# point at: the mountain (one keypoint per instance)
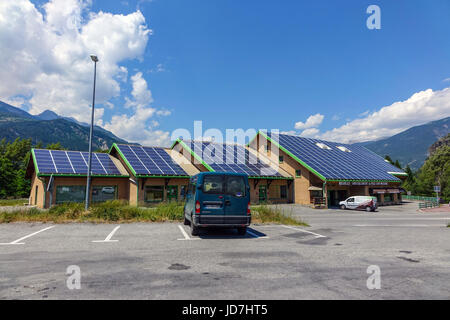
(48, 127)
(410, 147)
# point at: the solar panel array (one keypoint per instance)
(232, 158)
(73, 162)
(333, 163)
(150, 161)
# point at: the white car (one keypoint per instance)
(359, 203)
(108, 190)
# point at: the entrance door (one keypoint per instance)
(172, 193)
(262, 193)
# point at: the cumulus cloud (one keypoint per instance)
(139, 125)
(310, 133)
(45, 56)
(420, 108)
(313, 121)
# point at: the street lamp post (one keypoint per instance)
(88, 183)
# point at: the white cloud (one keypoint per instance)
(420, 108)
(45, 56)
(310, 133)
(312, 122)
(138, 127)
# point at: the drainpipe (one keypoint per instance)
(45, 190)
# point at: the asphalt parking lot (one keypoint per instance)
(327, 260)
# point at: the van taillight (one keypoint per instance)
(248, 208)
(197, 206)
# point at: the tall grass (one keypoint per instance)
(13, 202)
(269, 214)
(110, 211)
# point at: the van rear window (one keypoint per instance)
(213, 184)
(235, 186)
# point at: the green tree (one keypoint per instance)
(386, 157)
(55, 146)
(435, 171)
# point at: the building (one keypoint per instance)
(155, 175)
(329, 172)
(60, 176)
(268, 182)
(281, 169)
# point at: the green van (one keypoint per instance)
(218, 199)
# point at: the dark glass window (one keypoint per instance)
(154, 193)
(283, 192)
(235, 186)
(213, 184)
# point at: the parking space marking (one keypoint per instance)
(303, 230)
(26, 237)
(108, 238)
(400, 225)
(185, 235)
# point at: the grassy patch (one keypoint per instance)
(12, 202)
(270, 214)
(110, 211)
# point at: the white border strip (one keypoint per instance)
(108, 238)
(302, 230)
(26, 237)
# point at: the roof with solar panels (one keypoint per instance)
(332, 161)
(152, 161)
(229, 157)
(74, 163)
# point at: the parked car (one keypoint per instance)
(218, 199)
(359, 203)
(108, 190)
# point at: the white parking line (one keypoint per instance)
(108, 238)
(302, 230)
(23, 238)
(400, 225)
(185, 235)
(254, 235)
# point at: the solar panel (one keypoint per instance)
(232, 158)
(150, 161)
(357, 164)
(74, 162)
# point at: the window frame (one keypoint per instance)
(153, 186)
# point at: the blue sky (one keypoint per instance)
(266, 64)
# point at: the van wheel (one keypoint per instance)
(186, 221)
(242, 231)
(194, 229)
(343, 207)
(368, 209)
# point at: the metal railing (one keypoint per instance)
(428, 204)
(420, 198)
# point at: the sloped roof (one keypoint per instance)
(335, 161)
(227, 157)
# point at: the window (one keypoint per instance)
(70, 194)
(298, 173)
(351, 200)
(281, 159)
(283, 192)
(104, 193)
(235, 186)
(323, 146)
(213, 184)
(344, 149)
(154, 193)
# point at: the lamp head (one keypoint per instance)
(94, 58)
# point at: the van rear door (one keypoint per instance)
(236, 198)
(212, 198)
